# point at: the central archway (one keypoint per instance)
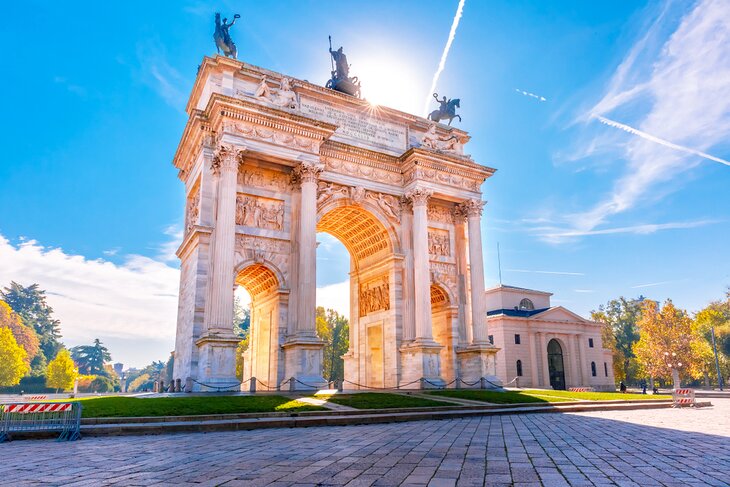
(371, 360)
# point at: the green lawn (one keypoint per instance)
(507, 397)
(104, 407)
(595, 396)
(379, 400)
(539, 396)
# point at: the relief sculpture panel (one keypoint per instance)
(261, 178)
(374, 296)
(254, 211)
(192, 212)
(439, 242)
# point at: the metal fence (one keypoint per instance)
(64, 417)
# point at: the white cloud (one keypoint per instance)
(100, 299)
(155, 71)
(557, 235)
(335, 296)
(559, 273)
(672, 93)
(652, 284)
(584, 291)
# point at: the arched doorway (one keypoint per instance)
(262, 356)
(555, 365)
(442, 319)
(372, 288)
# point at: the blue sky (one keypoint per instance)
(582, 204)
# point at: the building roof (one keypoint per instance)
(522, 313)
(515, 288)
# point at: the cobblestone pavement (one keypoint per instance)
(654, 447)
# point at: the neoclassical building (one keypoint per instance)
(267, 163)
(545, 346)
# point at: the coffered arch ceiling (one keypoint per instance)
(359, 231)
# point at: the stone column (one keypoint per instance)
(462, 270)
(217, 344)
(303, 349)
(409, 324)
(420, 358)
(534, 359)
(421, 276)
(473, 211)
(545, 361)
(583, 357)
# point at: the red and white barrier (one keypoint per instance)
(35, 398)
(37, 408)
(580, 389)
(683, 397)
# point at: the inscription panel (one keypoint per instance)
(359, 126)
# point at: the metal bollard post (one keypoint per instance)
(252, 385)
(292, 384)
(483, 382)
(340, 385)
(423, 382)
(458, 383)
(178, 385)
(189, 384)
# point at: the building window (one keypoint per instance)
(491, 339)
(526, 305)
(517, 339)
(605, 368)
(593, 369)
(590, 342)
(519, 368)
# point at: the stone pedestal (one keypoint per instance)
(421, 360)
(217, 363)
(351, 369)
(477, 362)
(303, 362)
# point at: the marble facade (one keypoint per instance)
(268, 162)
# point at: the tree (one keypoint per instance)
(715, 316)
(61, 372)
(665, 338)
(334, 330)
(24, 335)
(620, 333)
(242, 347)
(13, 357)
(141, 382)
(30, 303)
(241, 318)
(91, 358)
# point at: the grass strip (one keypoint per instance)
(495, 397)
(106, 407)
(595, 396)
(380, 400)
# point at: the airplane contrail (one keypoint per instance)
(657, 140)
(444, 55)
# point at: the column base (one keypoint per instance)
(303, 364)
(216, 363)
(421, 365)
(478, 367)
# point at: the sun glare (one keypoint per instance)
(389, 82)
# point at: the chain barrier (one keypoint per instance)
(219, 388)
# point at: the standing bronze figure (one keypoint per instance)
(222, 37)
(341, 80)
(447, 109)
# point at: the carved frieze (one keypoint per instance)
(386, 202)
(441, 214)
(362, 171)
(327, 191)
(278, 137)
(192, 211)
(374, 296)
(438, 176)
(265, 179)
(254, 211)
(389, 204)
(269, 245)
(439, 242)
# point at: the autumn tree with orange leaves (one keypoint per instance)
(666, 337)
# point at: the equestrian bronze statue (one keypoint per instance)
(447, 109)
(222, 37)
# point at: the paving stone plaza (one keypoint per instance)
(650, 447)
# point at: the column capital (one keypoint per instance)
(471, 207)
(419, 196)
(307, 172)
(226, 158)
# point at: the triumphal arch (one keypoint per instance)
(268, 162)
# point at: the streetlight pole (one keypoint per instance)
(717, 361)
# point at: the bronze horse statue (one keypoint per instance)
(447, 109)
(222, 37)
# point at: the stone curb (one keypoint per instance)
(357, 412)
(327, 419)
